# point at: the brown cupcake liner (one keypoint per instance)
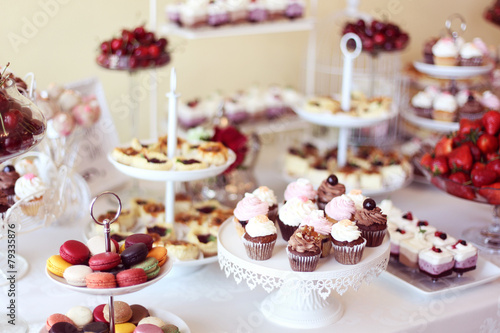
(302, 263)
(258, 251)
(326, 246)
(349, 255)
(286, 230)
(373, 238)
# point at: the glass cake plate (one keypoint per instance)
(485, 272)
(452, 72)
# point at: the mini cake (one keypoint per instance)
(422, 227)
(238, 11)
(440, 239)
(470, 55)
(214, 153)
(294, 9)
(248, 207)
(191, 114)
(151, 213)
(396, 236)
(300, 188)
(490, 101)
(31, 190)
(323, 227)
(445, 107)
(193, 14)
(317, 172)
(265, 194)
(409, 249)
(217, 13)
(260, 238)
(276, 9)
(182, 250)
(465, 255)
(371, 222)
(235, 109)
(273, 99)
(348, 244)
(329, 189)
(340, 208)
(124, 155)
(183, 163)
(292, 213)
(422, 104)
(371, 179)
(257, 11)
(304, 249)
(357, 197)
(207, 243)
(296, 163)
(445, 52)
(8, 178)
(472, 109)
(436, 262)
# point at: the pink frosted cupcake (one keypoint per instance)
(304, 249)
(260, 238)
(265, 194)
(292, 213)
(30, 189)
(300, 188)
(348, 245)
(323, 227)
(340, 208)
(248, 207)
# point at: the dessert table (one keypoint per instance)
(211, 303)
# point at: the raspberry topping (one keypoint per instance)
(408, 216)
(422, 224)
(401, 231)
(436, 249)
(441, 235)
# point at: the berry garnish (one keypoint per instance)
(422, 224)
(436, 249)
(401, 231)
(441, 235)
(464, 243)
(408, 216)
(369, 204)
(332, 180)
(9, 168)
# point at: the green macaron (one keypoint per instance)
(150, 267)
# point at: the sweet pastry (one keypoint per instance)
(440, 239)
(436, 262)
(134, 254)
(97, 244)
(151, 160)
(300, 188)
(490, 101)
(63, 327)
(131, 277)
(80, 315)
(124, 222)
(329, 189)
(294, 9)
(217, 13)
(26, 165)
(57, 265)
(427, 50)
(30, 189)
(317, 172)
(207, 243)
(267, 195)
(396, 236)
(260, 237)
(8, 178)
(371, 222)
(100, 280)
(151, 213)
(465, 255)
(257, 11)
(276, 9)
(234, 108)
(322, 104)
(164, 230)
(124, 155)
(409, 249)
(357, 197)
(122, 312)
(104, 261)
(214, 153)
(422, 104)
(348, 244)
(248, 207)
(57, 318)
(96, 327)
(445, 52)
(182, 250)
(238, 11)
(292, 214)
(323, 227)
(296, 163)
(148, 328)
(472, 109)
(125, 328)
(74, 252)
(159, 253)
(445, 107)
(470, 55)
(139, 238)
(340, 208)
(183, 163)
(139, 312)
(75, 275)
(304, 249)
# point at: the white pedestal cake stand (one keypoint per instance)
(298, 299)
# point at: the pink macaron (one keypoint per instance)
(100, 280)
(147, 328)
(104, 261)
(131, 277)
(57, 318)
(74, 252)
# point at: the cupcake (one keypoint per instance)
(323, 227)
(357, 197)
(260, 238)
(8, 178)
(470, 55)
(340, 208)
(445, 107)
(490, 101)
(472, 109)
(265, 194)
(304, 249)
(30, 189)
(348, 244)
(427, 51)
(292, 213)
(445, 52)
(300, 188)
(371, 222)
(248, 207)
(329, 189)
(422, 104)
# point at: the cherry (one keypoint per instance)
(139, 32)
(37, 126)
(163, 59)
(128, 36)
(153, 51)
(4, 102)
(161, 43)
(106, 47)
(436, 249)
(116, 44)
(379, 39)
(193, 103)
(332, 180)
(141, 52)
(11, 118)
(441, 235)
(408, 216)
(147, 39)
(464, 243)
(133, 62)
(401, 231)
(13, 143)
(369, 204)
(422, 224)
(9, 168)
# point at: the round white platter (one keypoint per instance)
(451, 72)
(431, 124)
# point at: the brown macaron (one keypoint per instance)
(122, 311)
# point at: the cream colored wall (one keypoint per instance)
(58, 41)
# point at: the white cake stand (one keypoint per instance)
(299, 299)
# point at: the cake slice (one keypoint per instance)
(436, 262)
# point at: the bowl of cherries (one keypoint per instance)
(133, 50)
(377, 36)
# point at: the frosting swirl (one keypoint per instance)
(8, 179)
(357, 197)
(369, 217)
(445, 102)
(340, 208)
(265, 194)
(305, 239)
(249, 207)
(296, 210)
(301, 187)
(421, 100)
(28, 185)
(259, 226)
(318, 220)
(445, 47)
(345, 231)
(327, 191)
(490, 101)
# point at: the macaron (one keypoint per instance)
(148, 265)
(122, 312)
(104, 261)
(57, 318)
(138, 313)
(74, 252)
(134, 254)
(100, 280)
(97, 244)
(96, 327)
(80, 315)
(98, 314)
(125, 328)
(170, 328)
(131, 277)
(160, 253)
(148, 328)
(139, 238)
(57, 265)
(63, 327)
(75, 275)
(152, 320)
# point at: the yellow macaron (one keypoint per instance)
(160, 253)
(57, 265)
(125, 328)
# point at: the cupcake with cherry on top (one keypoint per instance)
(371, 222)
(323, 227)
(329, 189)
(248, 207)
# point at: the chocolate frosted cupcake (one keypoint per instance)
(265, 194)
(8, 178)
(472, 109)
(329, 189)
(248, 207)
(348, 245)
(323, 227)
(292, 213)
(371, 222)
(304, 249)
(260, 238)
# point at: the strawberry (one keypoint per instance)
(456, 185)
(426, 161)
(467, 126)
(443, 147)
(439, 166)
(476, 153)
(491, 193)
(478, 166)
(483, 177)
(491, 122)
(460, 158)
(492, 156)
(495, 166)
(487, 143)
